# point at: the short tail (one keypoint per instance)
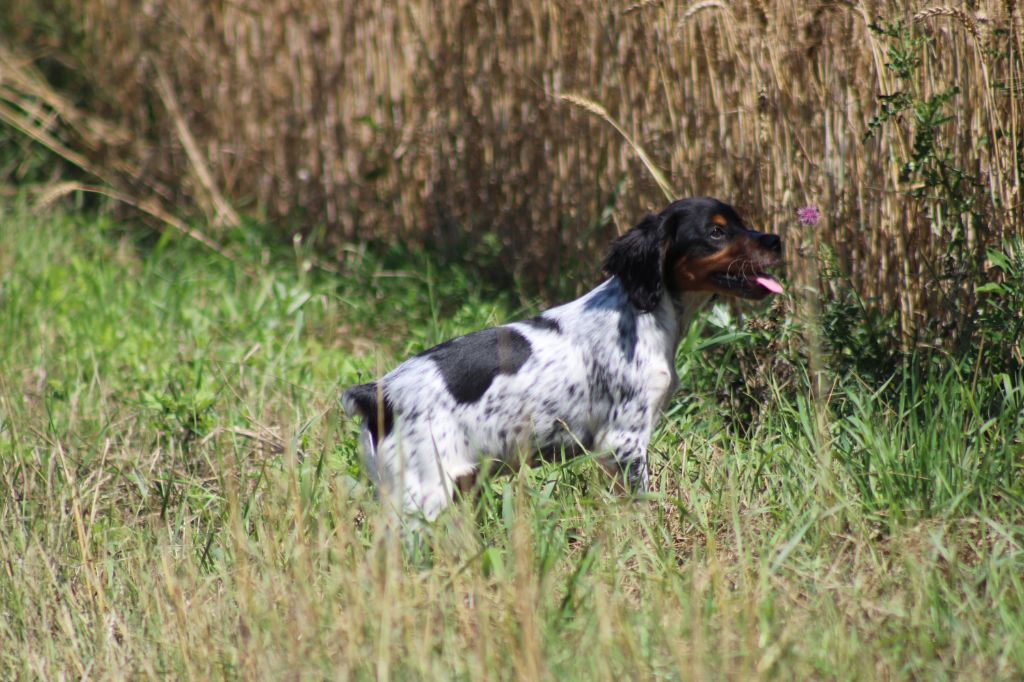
(369, 402)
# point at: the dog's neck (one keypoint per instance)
(665, 326)
(686, 307)
(677, 312)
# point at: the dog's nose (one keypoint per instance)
(771, 242)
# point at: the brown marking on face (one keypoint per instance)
(742, 256)
(719, 220)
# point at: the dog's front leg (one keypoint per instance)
(627, 458)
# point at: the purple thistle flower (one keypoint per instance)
(808, 215)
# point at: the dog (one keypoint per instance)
(590, 375)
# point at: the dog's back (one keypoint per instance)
(594, 372)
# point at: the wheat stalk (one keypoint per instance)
(640, 6)
(595, 108)
(703, 5)
(700, 6)
(62, 189)
(223, 213)
(965, 19)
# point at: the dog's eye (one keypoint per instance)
(716, 232)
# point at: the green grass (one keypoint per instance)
(181, 497)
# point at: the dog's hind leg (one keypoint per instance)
(420, 468)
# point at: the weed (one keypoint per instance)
(1001, 310)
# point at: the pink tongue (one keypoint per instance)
(769, 283)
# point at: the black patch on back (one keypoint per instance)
(470, 363)
(545, 323)
(368, 399)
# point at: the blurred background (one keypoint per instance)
(509, 134)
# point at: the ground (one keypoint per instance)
(182, 497)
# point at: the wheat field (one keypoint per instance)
(462, 124)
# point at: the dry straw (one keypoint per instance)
(595, 108)
(440, 122)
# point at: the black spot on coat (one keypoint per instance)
(545, 323)
(470, 363)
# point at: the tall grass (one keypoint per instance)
(180, 496)
(448, 122)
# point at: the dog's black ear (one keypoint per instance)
(635, 258)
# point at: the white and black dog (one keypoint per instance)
(594, 373)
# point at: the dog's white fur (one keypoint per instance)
(593, 373)
(593, 382)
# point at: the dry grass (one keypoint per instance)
(180, 498)
(445, 121)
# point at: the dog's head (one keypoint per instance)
(694, 245)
